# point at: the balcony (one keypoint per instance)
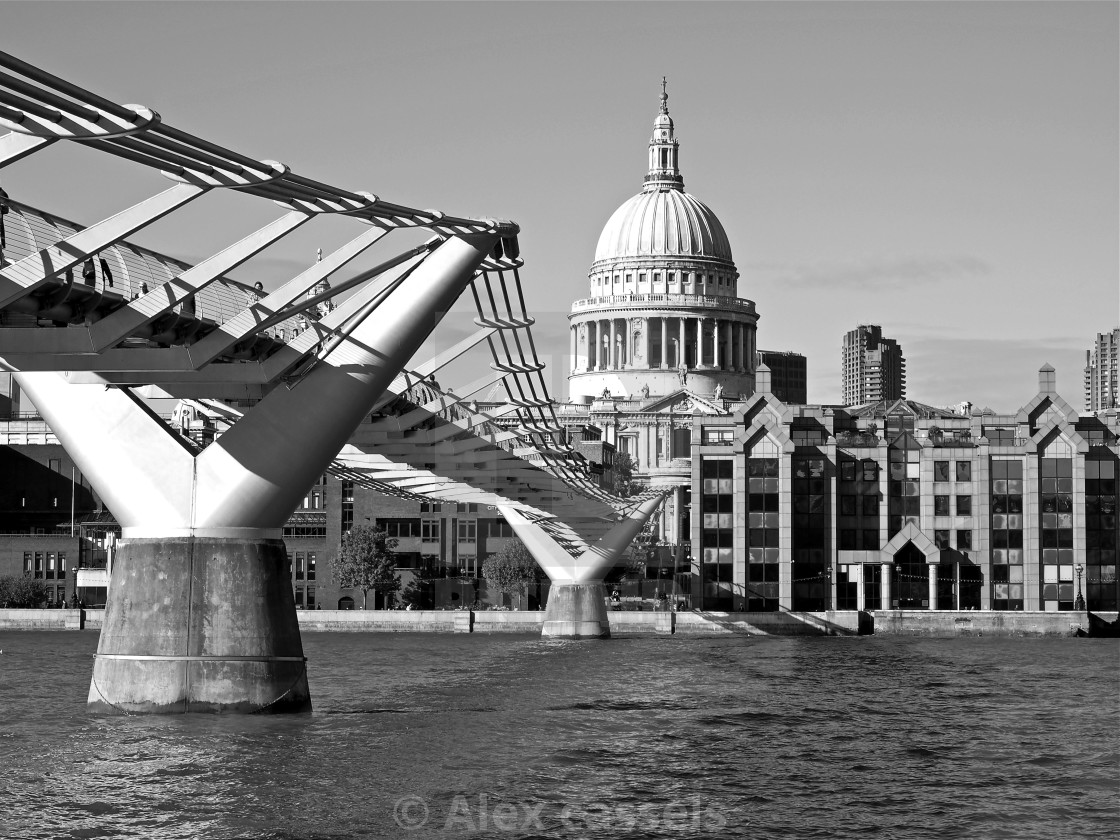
(857, 439)
(664, 301)
(945, 439)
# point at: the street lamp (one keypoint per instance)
(1079, 603)
(462, 583)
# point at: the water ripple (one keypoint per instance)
(758, 738)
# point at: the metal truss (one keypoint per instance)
(192, 332)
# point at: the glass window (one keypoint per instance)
(964, 471)
(964, 540)
(870, 470)
(467, 530)
(940, 505)
(847, 470)
(940, 470)
(964, 506)
(310, 573)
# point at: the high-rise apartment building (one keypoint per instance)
(1102, 365)
(874, 368)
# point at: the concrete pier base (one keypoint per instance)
(577, 611)
(200, 625)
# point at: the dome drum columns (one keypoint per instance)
(696, 343)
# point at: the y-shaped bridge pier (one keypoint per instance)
(200, 615)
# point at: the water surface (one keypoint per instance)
(513, 736)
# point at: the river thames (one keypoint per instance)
(514, 736)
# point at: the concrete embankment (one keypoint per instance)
(641, 623)
(51, 619)
(947, 623)
(623, 623)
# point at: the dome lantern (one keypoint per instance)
(664, 170)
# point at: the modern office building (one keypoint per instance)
(873, 367)
(897, 504)
(1102, 372)
(788, 375)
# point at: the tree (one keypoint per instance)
(20, 591)
(623, 474)
(511, 570)
(366, 561)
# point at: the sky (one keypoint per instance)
(946, 170)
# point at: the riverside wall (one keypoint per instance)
(979, 623)
(931, 623)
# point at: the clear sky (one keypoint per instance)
(947, 170)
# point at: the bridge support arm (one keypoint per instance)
(577, 606)
(261, 468)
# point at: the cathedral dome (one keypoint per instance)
(665, 222)
(663, 312)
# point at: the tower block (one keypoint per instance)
(577, 606)
(200, 614)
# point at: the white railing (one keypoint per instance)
(645, 300)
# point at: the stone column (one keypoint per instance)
(612, 360)
(647, 347)
(715, 343)
(743, 365)
(729, 345)
(575, 348)
(885, 585)
(700, 342)
(682, 355)
(592, 345)
(664, 342)
(629, 327)
(678, 501)
(933, 586)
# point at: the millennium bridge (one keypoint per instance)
(200, 615)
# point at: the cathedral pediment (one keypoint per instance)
(683, 402)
